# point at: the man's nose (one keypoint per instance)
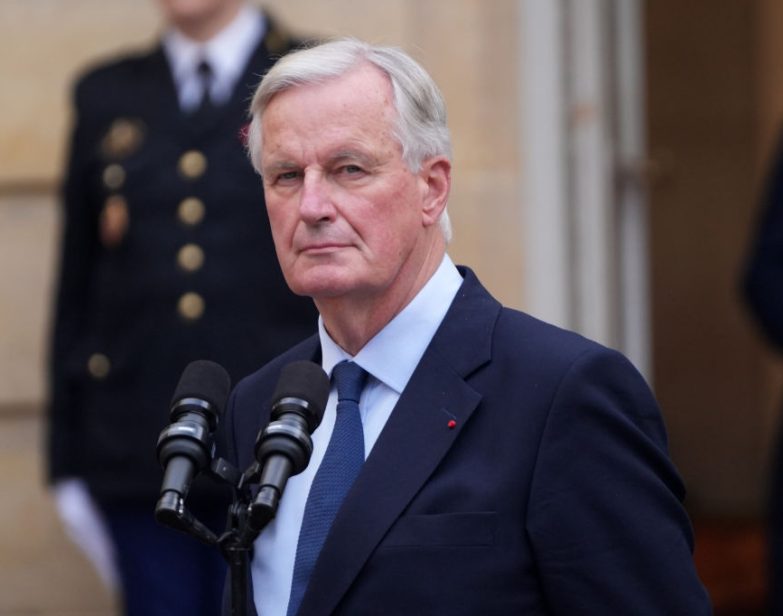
(315, 204)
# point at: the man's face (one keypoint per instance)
(348, 218)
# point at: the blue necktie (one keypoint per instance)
(341, 464)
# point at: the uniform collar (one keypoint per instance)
(227, 53)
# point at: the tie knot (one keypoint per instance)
(349, 378)
(204, 70)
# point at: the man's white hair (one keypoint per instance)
(420, 126)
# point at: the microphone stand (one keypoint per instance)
(235, 544)
(253, 508)
(245, 521)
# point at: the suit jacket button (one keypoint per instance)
(113, 176)
(191, 211)
(99, 366)
(191, 306)
(192, 164)
(190, 257)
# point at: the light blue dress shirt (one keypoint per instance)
(390, 359)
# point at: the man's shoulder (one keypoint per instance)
(513, 330)
(552, 353)
(541, 335)
(516, 338)
(108, 71)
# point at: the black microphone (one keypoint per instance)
(284, 447)
(186, 446)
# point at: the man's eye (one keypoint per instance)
(351, 169)
(287, 176)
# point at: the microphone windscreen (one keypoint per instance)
(204, 380)
(305, 380)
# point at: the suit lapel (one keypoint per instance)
(410, 447)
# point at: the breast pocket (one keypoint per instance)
(443, 530)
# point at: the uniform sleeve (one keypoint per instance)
(78, 220)
(763, 279)
(606, 521)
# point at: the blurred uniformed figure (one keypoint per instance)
(763, 291)
(167, 257)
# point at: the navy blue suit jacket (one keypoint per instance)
(553, 494)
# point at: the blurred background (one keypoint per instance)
(609, 163)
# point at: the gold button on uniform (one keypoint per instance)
(192, 164)
(99, 366)
(113, 176)
(191, 306)
(125, 136)
(191, 211)
(190, 257)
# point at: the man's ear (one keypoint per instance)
(435, 175)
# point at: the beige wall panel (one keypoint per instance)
(472, 53)
(471, 50)
(42, 44)
(487, 237)
(379, 22)
(27, 244)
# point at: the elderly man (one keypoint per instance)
(505, 466)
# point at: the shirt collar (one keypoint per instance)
(406, 337)
(227, 52)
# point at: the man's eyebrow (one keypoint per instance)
(349, 154)
(357, 155)
(280, 165)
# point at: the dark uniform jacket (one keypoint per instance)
(167, 257)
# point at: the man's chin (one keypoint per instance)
(320, 285)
